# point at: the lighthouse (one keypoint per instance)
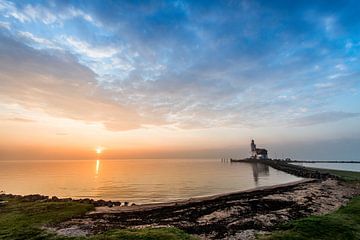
(253, 149)
(258, 153)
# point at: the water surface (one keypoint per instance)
(139, 181)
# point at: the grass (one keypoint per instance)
(343, 224)
(346, 176)
(21, 220)
(145, 234)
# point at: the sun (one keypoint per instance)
(99, 150)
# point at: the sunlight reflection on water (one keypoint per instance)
(139, 181)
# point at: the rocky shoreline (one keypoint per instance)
(238, 215)
(42, 198)
(233, 216)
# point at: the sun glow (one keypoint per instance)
(99, 150)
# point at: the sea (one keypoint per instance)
(137, 181)
(354, 167)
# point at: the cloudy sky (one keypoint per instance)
(179, 78)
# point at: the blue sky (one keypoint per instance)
(257, 68)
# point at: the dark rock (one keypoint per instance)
(33, 198)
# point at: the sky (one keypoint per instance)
(179, 79)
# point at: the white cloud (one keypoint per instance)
(85, 48)
(324, 85)
(9, 10)
(74, 13)
(340, 67)
(37, 40)
(32, 12)
(5, 25)
(37, 13)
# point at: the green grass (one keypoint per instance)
(347, 176)
(344, 224)
(24, 220)
(145, 234)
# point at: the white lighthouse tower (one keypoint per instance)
(253, 149)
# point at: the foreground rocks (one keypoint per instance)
(42, 198)
(232, 216)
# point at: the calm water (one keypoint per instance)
(139, 181)
(355, 167)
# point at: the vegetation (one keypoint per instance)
(145, 234)
(24, 220)
(342, 224)
(346, 176)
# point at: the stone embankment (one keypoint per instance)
(293, 169)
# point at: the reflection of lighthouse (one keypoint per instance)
(259, 170)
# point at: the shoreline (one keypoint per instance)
(200, 199)
(232, 215)
(221, 217)
(102, 205)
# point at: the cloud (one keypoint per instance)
(39, 13)
(57, 84)
(324, 85)
(321, 118)
(19, 119)
(9, 10)
(61, 134)
(188, 65)
(86, 49)
(40, 42)
(5, 25)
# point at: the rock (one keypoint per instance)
(54, 198)
(34, 197)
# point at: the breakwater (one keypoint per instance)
(296, 170)
(317, 161)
